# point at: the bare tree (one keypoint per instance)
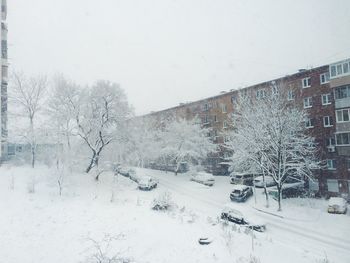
(29, 96)
(269, 134)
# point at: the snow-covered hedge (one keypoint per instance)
(163, 202)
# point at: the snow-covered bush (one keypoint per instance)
(163, 202)
(101, 251)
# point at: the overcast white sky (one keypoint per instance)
(164, 52)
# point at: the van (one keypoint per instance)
(241, 178)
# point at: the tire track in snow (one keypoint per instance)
(329, 243)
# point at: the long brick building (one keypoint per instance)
(324, 92)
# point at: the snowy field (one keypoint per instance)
(38, 225)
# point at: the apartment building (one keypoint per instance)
(324, 92)
(4, 82)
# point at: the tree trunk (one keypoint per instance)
(93, 162)
(279, 188)
(265, 191)
(33, 156)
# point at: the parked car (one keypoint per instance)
(259, 181)
(147, 183)
(231, 214)
(123, 170)
(203, 178)
(133, 175)
(337, 205)
(241, 193)
(241, 178)
(291, 188)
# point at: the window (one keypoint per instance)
(343, 138)
(332, 185)
(307, 102)
(291, 95)
(233, 99)
(327, 121)
(324, 78)
(215, 118)
(326, 99)
(333, 71)
(342, 115)
(225, 124)
(342, 92)
(205, 119)
(306, 82)
(331, 164)
(224, 108)
(340, 69)
(348, 164)
(309, 123)
(260, 94)
(314, 186)
(330, 141)
(206, 107)
(274, 90)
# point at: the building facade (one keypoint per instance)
(4, 83)
(324, 93)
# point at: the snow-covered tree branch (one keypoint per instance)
(186, 141)
(270, 137)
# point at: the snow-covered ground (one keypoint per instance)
(45, 227)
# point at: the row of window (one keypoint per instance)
(207, 119)
(340, 69)
(327, 122)
(342, 92)
(332, 185)
(210, 105)
(340, 139)
(332, 164)
(341, 117)
(306, 82)
(326, 99)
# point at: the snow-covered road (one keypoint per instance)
(306, 229)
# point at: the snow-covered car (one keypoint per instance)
(123, 170)
(147, 183)
(241, 178)
(259, 181)
(337, 205)
(240, 193)
(203, 178)
(291, 188)
(231, 214)
(133, 175)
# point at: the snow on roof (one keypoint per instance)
(240, 187)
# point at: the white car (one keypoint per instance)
(147, 183)
(249, 220)
(203, 178)
(133, 175)
(259, 181)
(337, 205)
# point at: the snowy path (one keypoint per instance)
(305, 237)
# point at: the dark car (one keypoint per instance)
(292, 187)
(241, 193)
(241, 178)
(233, 215)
